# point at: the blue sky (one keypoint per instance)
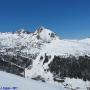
(68, 18)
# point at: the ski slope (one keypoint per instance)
(9, 80)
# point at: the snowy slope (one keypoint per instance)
(87, 41)
(9, 80)
(65, 47)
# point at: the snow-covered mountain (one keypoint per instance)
(43, 41)
(43, 55)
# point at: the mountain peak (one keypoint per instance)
(41, 28)
(45, 34)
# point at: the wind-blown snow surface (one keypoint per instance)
(9, 80)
